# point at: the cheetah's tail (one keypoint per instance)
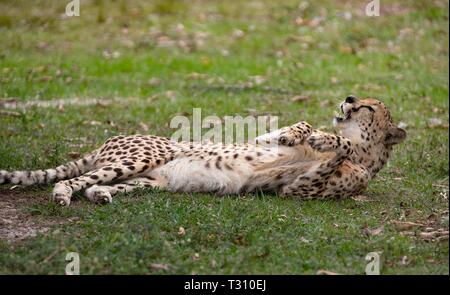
(66, 171)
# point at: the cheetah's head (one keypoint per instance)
(367, 120)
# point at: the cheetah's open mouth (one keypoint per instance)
(343, 115)
(347, 114)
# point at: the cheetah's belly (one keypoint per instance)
(192, 175)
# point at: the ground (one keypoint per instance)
(122, 67)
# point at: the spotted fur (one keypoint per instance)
(307, 163)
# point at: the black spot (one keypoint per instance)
(228, 166)
(118, 172)
(144, 168)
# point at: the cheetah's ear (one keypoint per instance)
(395, 135)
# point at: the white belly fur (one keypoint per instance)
(185, 176)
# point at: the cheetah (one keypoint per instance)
(306, 163)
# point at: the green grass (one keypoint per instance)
(400, 57)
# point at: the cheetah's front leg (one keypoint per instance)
(288, 136)
(295, 134)
(314, 182)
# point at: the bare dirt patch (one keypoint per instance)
(15, 223)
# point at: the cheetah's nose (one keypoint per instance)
(350, 99)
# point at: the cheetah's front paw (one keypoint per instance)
(322, 142)
(295, 134)
(289, 138)
(99, 195)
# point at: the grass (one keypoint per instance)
(155, 60)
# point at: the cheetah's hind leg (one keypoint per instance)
(102, 194)
(63, 190)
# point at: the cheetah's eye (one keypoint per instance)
(363, 106)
